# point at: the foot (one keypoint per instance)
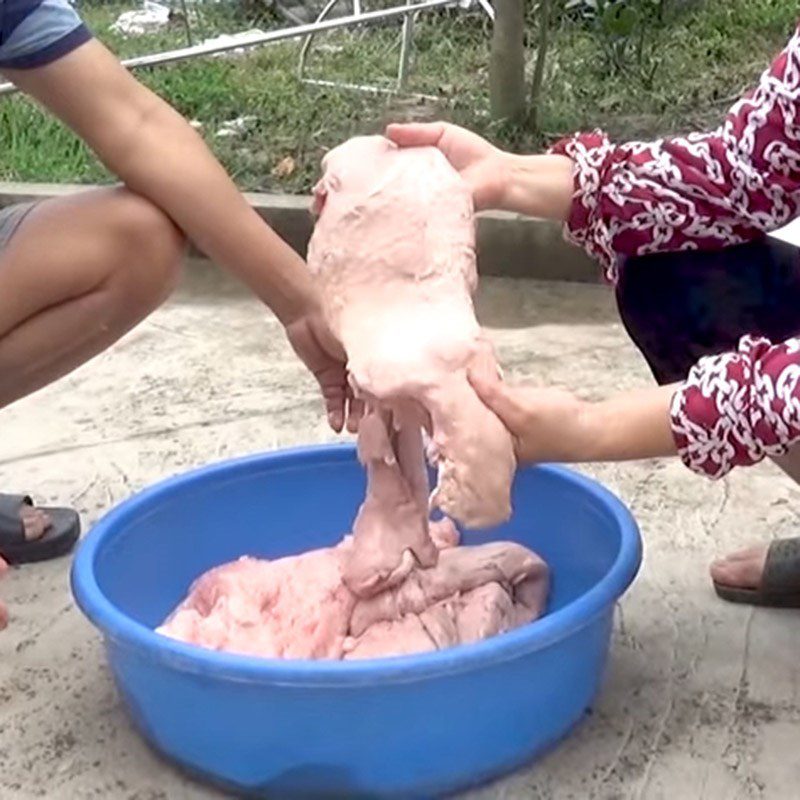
(35, 524)
(34, 521)
(742, 569)
(30, 533)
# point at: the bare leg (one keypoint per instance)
(77, 275)
(744, 568)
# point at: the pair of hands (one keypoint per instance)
(536, 418)
(545, 424)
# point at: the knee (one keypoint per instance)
(149, 250)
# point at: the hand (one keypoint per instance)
(479, 163)
(312, 340)
(553, 425)
(534, 185)
(546, 424)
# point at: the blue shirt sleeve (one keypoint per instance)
(37, 32)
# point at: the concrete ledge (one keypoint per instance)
(508, 245)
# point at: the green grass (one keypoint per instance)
(704, 55)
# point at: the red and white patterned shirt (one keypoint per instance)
(707, 191)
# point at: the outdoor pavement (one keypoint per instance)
(701, 699)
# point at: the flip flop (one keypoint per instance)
(780, 582)
(58, 539)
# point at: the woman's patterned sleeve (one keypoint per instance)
(702, 191)
(737, 408)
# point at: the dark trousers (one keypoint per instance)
(678, 307)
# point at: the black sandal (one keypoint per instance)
(59, 538)
(780, 583)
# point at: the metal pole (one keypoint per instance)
(306, 46)
(184, 53)
(488, 8)
(360, 87)
(186, 24)
(406, 44)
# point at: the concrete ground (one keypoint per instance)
(701, 699)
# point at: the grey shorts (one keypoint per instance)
(11, 218)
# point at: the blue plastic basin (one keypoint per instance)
(411, 727)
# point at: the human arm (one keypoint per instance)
(157, 154)
(553, 425)
(535, 185)
(705, 190)
(733, 410)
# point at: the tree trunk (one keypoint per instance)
(507, 62)
(538, 70)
